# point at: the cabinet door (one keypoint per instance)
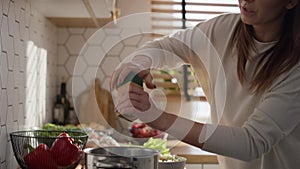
(202, 166)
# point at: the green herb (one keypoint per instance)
(158, 144)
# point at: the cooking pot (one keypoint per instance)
(121, 158)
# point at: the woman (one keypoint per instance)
(259, 50)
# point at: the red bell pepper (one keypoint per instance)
(64, 151)
(39, 158)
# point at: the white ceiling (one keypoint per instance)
(72, 8)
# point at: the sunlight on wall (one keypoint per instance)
(36, 72)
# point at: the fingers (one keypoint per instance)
(121, 73)
(137, 102)
(148, 81)
(134, 96)
(148, 78)
(124, 70)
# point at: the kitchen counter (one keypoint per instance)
(193, 154)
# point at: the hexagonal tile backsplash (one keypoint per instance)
(21, 23)
(102, 51)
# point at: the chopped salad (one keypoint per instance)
(161, 145)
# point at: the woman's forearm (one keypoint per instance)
(181, 128)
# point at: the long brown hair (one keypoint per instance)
(276, 60)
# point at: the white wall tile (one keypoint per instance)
(127, 33)
(11, 18)
(34, 36)
(21, 114)
(22, 57)
(80, 66)
(1, 12)
(10, 53)
(63, 35)
(117, 49)
(4, 70)
(4, 33)
(22, 87)
(27, 14)
(62, 72)
(18, 6)
(4, 143)
(109, 42)
(33, 12)
(17, 39)
(80, 86)
(11, 161)
(127, 51)
(93, 55)
(89, 32)
(22, 24)
(16, 103)
(3, 107)
(75, 48)
(9, 120)
(132, 41)
(23, 4)
(97, 38)
(112, 31)
(5, 6)
(10, 88)
(16, 69)
(26, 34)
(70, 64)
(91, 74)
(109, 65)
(62, 55)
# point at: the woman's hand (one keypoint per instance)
(133, 100)
(140, 66)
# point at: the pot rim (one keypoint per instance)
(89, 151)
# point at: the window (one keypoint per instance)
(180, 14)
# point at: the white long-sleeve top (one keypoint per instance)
(249, 131)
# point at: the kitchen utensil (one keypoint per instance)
(21, 139)
(121, 158)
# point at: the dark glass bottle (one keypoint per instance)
(64, 100)
(58, 111)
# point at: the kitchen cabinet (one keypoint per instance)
(202, 166)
